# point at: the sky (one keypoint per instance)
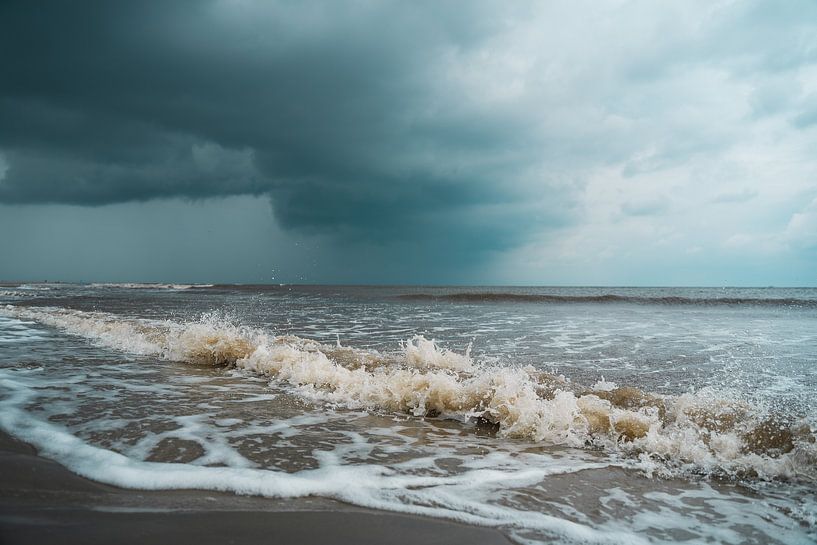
(428, 142)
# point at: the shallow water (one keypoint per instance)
(588, 414)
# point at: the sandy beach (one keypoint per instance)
(42, 502)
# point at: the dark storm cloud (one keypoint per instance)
(335, 111)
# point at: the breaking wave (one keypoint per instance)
(495, 297)
(17, 293)
(707, 432)
(149, 286)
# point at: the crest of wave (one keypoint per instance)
(425, 354)
(503, 395)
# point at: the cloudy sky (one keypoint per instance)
(619, 142)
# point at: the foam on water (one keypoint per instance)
(17, 331)
(425, 354)
(34, 287)
(18, 293)
(407, 487)
(706, 432)
(148, 286)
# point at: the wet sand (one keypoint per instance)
(42, 502)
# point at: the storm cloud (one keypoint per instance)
(341, 113)
(459, 130)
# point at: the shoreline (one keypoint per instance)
(43, 502)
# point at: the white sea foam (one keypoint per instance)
(454, 497)
(704, 432)
(147, 286)
(605, 386)
(425, 354)
(17, 331)
(34, 287)
(17, 293)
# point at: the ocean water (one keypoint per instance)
(587, 415)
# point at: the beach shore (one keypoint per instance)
(42, 502)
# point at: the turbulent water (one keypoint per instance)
(601, 415)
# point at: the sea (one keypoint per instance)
(555, 414)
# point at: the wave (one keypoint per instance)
(495, 297)
(149, 286)
(15, 293)
(710, 432)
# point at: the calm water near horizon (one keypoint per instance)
(602, 415)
